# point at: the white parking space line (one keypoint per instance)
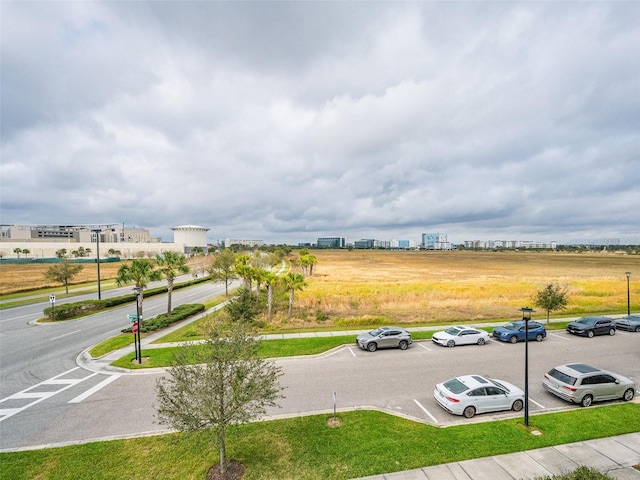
(425, 410)
(426, 348)
(95, 388)
(538, 404)
(36, 396)
(352, 352)
(562, 337)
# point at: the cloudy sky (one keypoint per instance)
(286, 121)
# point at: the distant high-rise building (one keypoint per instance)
(330, 242)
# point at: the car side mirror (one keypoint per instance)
(617, 382)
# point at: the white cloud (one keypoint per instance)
(292, 120)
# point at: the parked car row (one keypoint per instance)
(513, 332)
(469, 395)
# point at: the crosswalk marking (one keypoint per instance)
(32, 396)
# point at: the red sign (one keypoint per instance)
(134, 327)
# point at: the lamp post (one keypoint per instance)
(137, 343)
(526, 316)
(97, 232)
(628, 274)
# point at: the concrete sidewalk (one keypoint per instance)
(615, 456)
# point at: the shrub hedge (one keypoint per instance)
(87, 307)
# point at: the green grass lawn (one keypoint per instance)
(306, 448)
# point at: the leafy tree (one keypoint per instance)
(293, 282)
(63, 272)
(551, 297)
(140, 271)
(61, 253)
(218, 384)
(222, 268)
(243, 308)
(17, 251)
(26, 251)
(171, 264)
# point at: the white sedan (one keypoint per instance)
(460, 336)
(471, 394)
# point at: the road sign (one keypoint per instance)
(134, 327)
(52, 298)
(134, 318)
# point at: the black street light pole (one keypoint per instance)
(628, 274)
(526, 316)
(138, 344)
(97, 232)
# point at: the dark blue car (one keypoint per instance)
(515, 331)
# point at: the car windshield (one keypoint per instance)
(376, 332)
(455, 386)
(452, 331)
(511, 326)
(586, 321)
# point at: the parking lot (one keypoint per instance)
(402, 382)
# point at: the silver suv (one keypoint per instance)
(384, 337)
(584, 384)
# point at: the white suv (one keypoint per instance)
(584, 384)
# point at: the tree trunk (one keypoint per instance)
(290, 302)
(169, 290)
(270, 301)
(223, 451)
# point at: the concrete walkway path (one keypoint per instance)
(615, 456)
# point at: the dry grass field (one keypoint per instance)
(25, 277)
(351, 288)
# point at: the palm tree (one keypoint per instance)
(270, 279)
(259, 275)
(140, 271)
(293, 282)
(171, 264)
(244, 270)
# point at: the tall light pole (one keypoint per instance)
(526, 316)
(628, 274)
(137, 343)
(97, 231)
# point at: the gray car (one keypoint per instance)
(384, 337)
(584, 384)
(629, 322)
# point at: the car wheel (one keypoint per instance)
(517, 406)
(404, 345)
(539, 337)
(469, 412)
(590, 334)
(513, 339)
(451, 344)
(638, 329)
(612, 331)
(587, 400)
(628, 394)
(372, 347)
(481, 341)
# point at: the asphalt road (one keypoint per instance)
(32, 353)
(86, 406)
